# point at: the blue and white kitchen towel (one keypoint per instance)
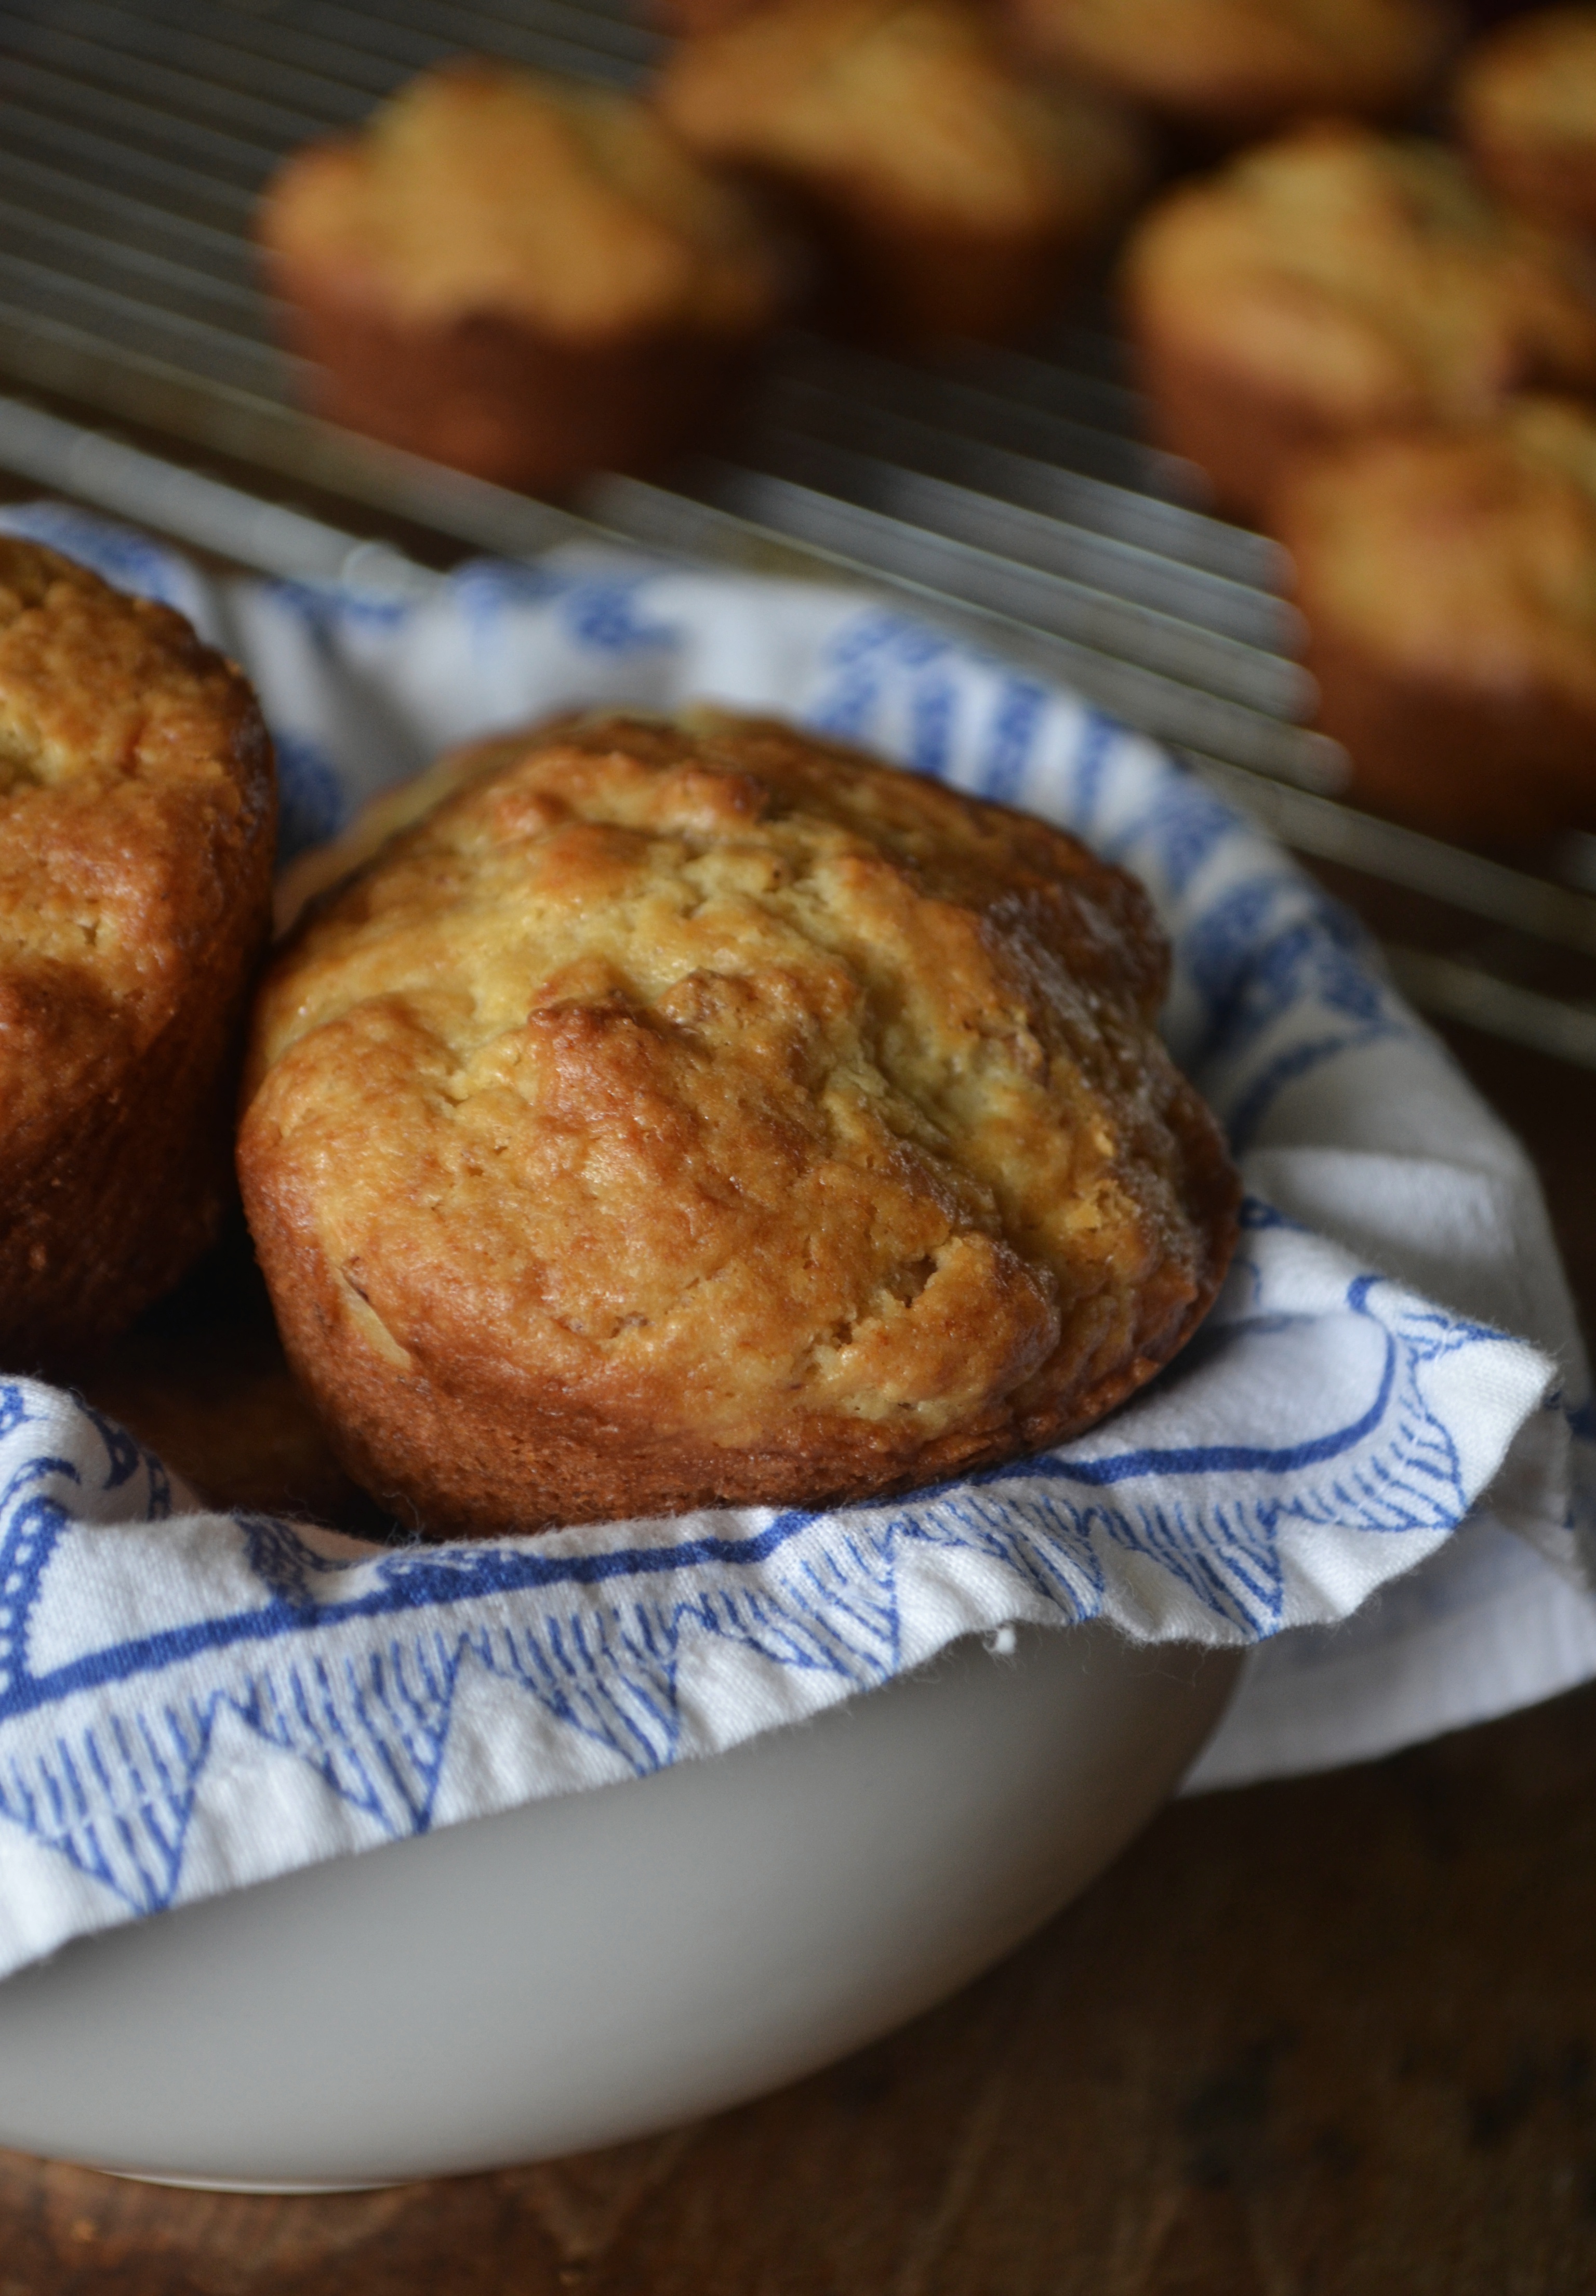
(1391, 1394)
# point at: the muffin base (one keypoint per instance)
(900, 283)
(496, 398)
(483, 1458)
(1554, 187)
(1242, 435)
(1450, 758)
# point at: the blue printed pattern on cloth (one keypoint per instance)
(352, 1663)
(1327, 1431)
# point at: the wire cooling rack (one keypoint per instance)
(1008, 495)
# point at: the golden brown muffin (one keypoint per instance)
(1525, 105)
(524, 276)
(952, 189)
(137, 810)
(677, 1117)
(1449, 584)
(1335, 284)
(1232, 69)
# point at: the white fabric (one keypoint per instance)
(1369, 1465)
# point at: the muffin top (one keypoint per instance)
(1246, 63)
(1368, 277)
(1467, 556)
(734, 1089)
(482, 189)
(1526, 104)
(909, 105)
(1535, 78)
(136, 796)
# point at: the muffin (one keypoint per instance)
(1449, 584)
(1335, 284)
(1227, 69)
(1526, 104)
(137, 810)
(700, 1114)
(950, 190)
(523, 276)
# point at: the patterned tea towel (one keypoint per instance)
(1385, 1420)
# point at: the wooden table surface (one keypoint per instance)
(1337, 2034)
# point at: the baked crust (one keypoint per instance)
(524, 278)
(1336, 284)
(1526, 107)
(1232, 69)
(953, 190)
(679, 1117)
(137, 812)
(1449, 586)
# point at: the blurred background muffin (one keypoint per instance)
(951, 191)
(1448, 580)
(1526, 106)
(527, 278)
(1336, 283)
(1226, 70)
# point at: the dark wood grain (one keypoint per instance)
(1333, 2037)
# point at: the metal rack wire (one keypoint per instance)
(1006, 494)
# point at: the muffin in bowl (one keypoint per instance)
(1449, 586)
(1227, 69)
(951, 188)
(524, 276)
(1336, 283)
(680, 1115)
(137, 817)
(1526, 106)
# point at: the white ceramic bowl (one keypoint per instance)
(590, 1968)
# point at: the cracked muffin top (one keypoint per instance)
(689, 1112)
